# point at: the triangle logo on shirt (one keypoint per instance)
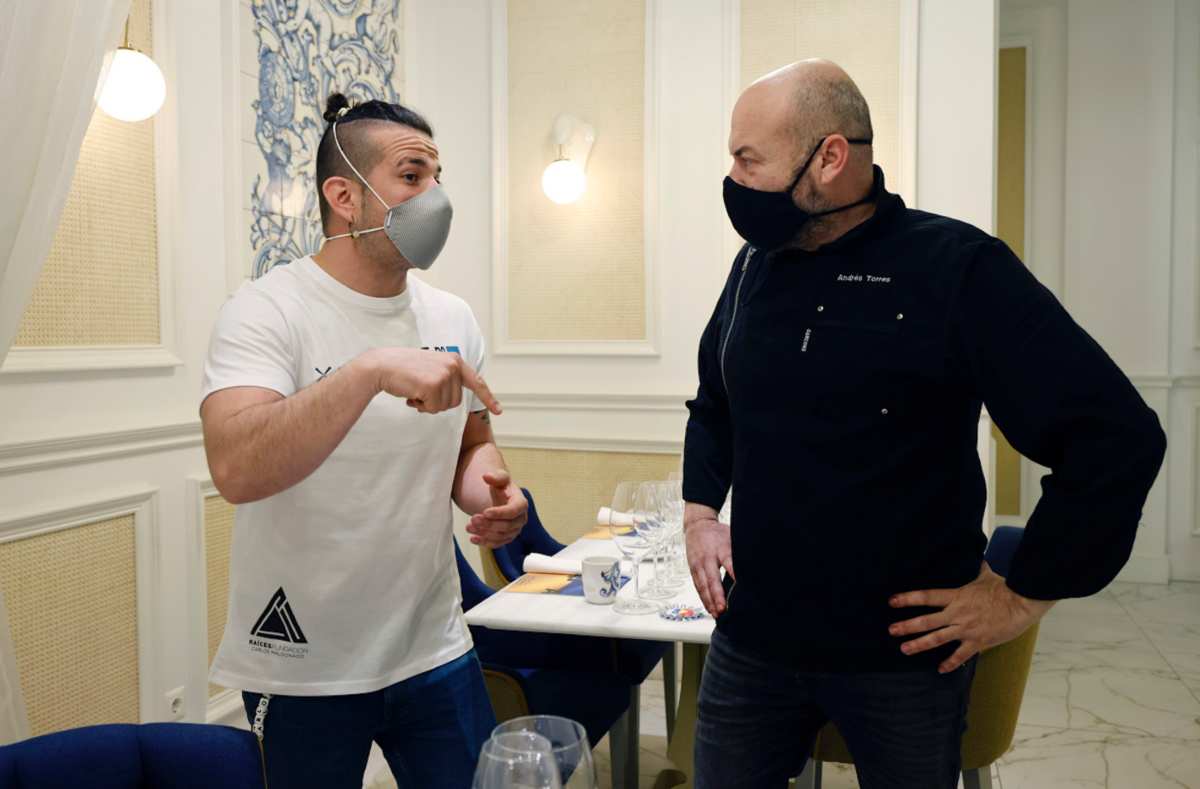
(277, 621)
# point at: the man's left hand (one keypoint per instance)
(500, 523)
(982, 614)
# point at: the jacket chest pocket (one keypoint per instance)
(853, 368)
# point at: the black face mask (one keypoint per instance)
(771, 219)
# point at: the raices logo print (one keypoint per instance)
(278, 622)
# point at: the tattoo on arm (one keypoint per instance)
(483, 416)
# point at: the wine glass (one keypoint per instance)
(653, 501)
(517, 760)
(632, 541)
(676, 575)
(569, 743)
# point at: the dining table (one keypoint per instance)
(569, 614)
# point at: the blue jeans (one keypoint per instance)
(758, 720)
(431, 728)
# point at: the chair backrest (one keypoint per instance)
(474, 590)
(1002, 547)
(533, 538)
(128, 756)
(996, 692)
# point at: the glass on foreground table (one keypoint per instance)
(569, 745)
(631, 536)
(517, 760)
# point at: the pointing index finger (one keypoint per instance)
(472, 381)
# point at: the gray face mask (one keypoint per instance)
(418, 227)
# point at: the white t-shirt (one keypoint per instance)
(345, 582)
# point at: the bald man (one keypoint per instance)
(841, 380)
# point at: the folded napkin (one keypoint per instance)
(541, 563)
(607, 516)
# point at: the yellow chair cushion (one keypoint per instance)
(996, 695)
(508, 699)
(491, 569)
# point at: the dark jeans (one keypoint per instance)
(758, 720)
(431, 728)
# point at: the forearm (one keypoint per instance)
(267, 448)
(471, 493)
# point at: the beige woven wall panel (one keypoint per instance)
(218, 537)
(862, 37)
(99, 284)
(72, 606)
(568, 487)
(576, 272)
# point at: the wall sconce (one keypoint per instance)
(134, 88)
(564, 180)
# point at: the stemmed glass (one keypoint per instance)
(517, 760)
(676, 575)
(654, 499)
(569, 744)
(634, 543)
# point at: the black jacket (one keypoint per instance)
(840, 392)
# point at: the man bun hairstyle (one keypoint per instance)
(356, 139)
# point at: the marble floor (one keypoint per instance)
(1113, 699)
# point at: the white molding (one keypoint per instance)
(505, 347)
(200, 489)
(1157, 381)
(227, 709)
(24, 456)
(502, 344)
(14, 721)
(652, 68)
(1146, 570)
(237, 254)
(160, 355)
(499, 38)
(142, 503)
(90, 358)
(1023, 41)
(166, 191)
(566, 401)
(588, 444)
(731, 82)
(1028, 471)
(910, 35)
(1195, 469)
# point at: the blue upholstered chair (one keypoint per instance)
(635, 659)
(549, 674)
(127, 756)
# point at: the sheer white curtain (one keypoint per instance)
(53, 54)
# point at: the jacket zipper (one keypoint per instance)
(736, 298)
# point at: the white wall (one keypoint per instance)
(1183, 423)
(1113, 188)
(80, 436)
(1117, 256)
(956, 110)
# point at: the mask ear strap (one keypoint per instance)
(808, 161)
(338, 143)
(804, 167)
